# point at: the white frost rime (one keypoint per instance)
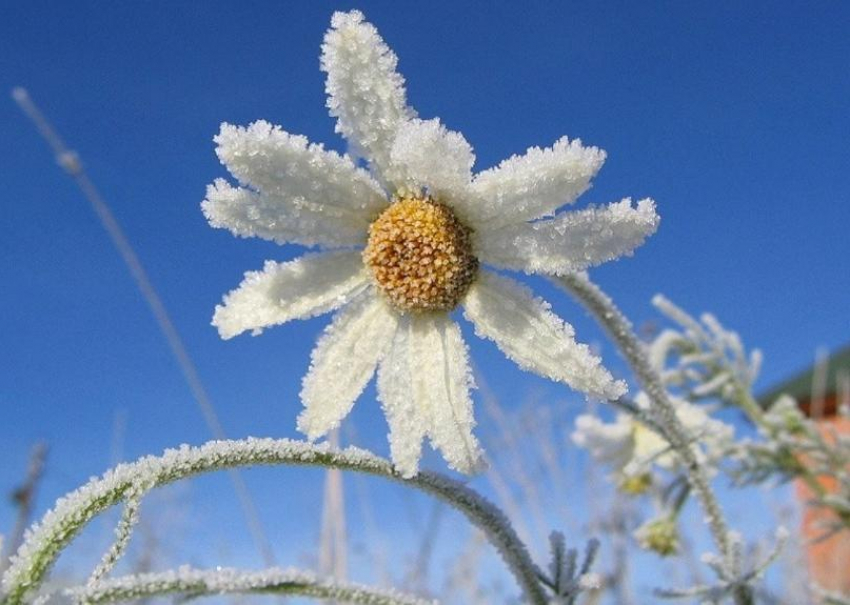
(308, 286)
(365, 93)
(572, 241)
(526, 187)
(525, 330)
(343, 362)
(424, 387)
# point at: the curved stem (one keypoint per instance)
(191, 583)
(621, 332)
(66, 520)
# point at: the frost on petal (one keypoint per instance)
(287, 166)
(247, 213)
(365, 93)
(572, 241)
(424, 385)
(343, 362)
(407, 420)
(308, 286)
(436, 159)
(525, 330)
(533, 185)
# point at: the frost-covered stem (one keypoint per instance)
(621, 332)
(191, 583)
(72, 513)
(123, 533)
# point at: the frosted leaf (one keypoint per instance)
(524, 329)
(275, 162)
(572, 241)
(534, 185)
(247, 213)
(434, 158)
(308, 286)
(424, 385)
(365, 93)
(343, 361)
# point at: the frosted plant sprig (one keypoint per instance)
(191, 583)
(794, 446)
(621, 332)
(60, 525)
(123, 533)
(728, 585)
(567, 579)
(406, 242)
(703, 357)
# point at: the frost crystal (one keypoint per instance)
(292, 191)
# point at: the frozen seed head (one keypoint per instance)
(420, 255)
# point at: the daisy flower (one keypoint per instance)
(633, 450)
(403, 244)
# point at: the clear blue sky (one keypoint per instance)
(734, 117)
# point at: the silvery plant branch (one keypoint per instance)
(729, 585)
(189, 583)
(126, 482)
(621, 332)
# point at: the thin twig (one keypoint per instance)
(24, 499)
(70, 162)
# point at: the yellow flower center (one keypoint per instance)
(421, 255)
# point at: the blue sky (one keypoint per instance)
(735, 118)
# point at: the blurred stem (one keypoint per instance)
(24, 499)
(620, 330)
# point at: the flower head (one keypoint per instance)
(634, 451)
(403, 244)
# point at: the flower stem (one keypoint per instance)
(192, 583)
(621, 332)
(59, 526)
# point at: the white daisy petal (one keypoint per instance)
(343, 361)
(447, 378)
(247, 213)
(430, 156)
(527, 332)
(424, 385)
(572, 241)
(406, 418)
(526, 187)
(308, 286)
(365, 93)
(287, 166)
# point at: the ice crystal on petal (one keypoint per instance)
(424, 387)
(572, 241)
(534, 185)
(343, 361)
(435, 159)
(525, 330)
(298, 172)
(365, 93)
(308, 286)
(246, 213)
